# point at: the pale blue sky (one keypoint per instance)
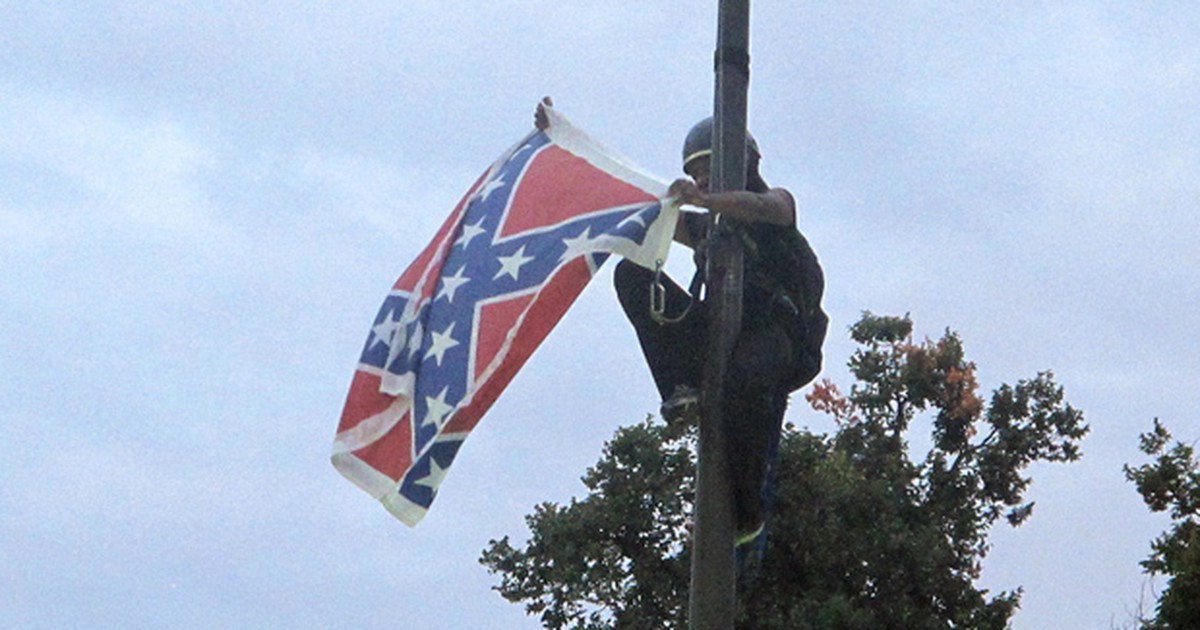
(202, 206)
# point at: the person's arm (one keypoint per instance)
(689, 229)
(775, 206)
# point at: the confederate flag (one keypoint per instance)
(468, 312)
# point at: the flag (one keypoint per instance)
(470, 310)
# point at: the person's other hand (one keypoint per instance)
(687, 191)
(540, 119)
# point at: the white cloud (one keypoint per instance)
(122, 169)
(406, 205)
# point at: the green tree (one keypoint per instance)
(1171, 483)
(864, 535)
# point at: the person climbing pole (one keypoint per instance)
(777, 350)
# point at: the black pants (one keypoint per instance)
(755, 392)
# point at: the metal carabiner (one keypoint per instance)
(658, 294)
(658, 299)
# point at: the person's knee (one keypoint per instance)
(632, 282)
(629, 275)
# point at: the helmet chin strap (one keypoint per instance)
(698, 142)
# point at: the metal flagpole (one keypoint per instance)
(713, 598)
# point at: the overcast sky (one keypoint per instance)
(202, 206)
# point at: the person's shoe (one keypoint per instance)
(749, 548)
(744, 539)
(681, 403)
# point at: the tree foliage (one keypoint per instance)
(1171, 483)
(864, 535)
(620, 554)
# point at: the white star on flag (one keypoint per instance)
(490, 187)
(450, 284)
(511, 265)
(633, 218)
(469, 232)
(414, 340)
(437, 409)
(385, 331)
(442, 341)
(434, 478)
(578, 246)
